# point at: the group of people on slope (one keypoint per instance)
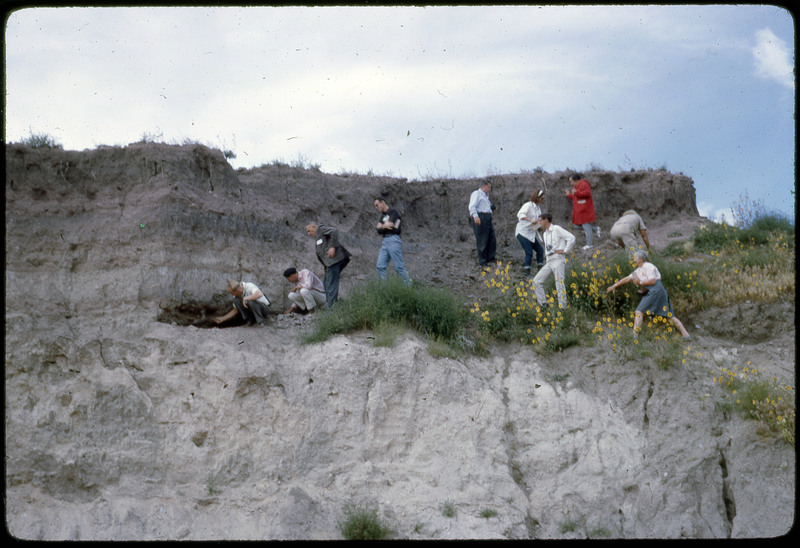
(535, 232)
(551, 243)
(308, 292)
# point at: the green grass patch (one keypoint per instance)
(362, 522)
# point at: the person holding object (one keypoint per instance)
(655, 300)
(308, 292)
(480, 214)
(392, 247)
(527, 230)
(625, 230)
(249, 301)
(557, 243)
(582, 206)
(333, 256)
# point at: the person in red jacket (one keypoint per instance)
(582, 206)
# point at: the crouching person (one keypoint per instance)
(308, 292)
(249, 301)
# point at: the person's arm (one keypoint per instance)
(333, 239)
(618, 283)
(583, 191)
(570, 240)
(229, 316)
(473, 207)
(644, 238)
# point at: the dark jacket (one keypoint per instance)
(328, 237)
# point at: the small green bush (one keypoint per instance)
(40, 140)
(361, 522)
(432, 311)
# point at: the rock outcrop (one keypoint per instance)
(128, 418)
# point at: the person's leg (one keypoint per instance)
(491, 247)
(260, 311)
(332, 283)
(539, 253)
(383, 260)
(297, 299)
(561, 290)
(637, 324)
(527, 247)
(480, 242)
(395, 248)
(247, 313)
(587, 230)
(677, 323)
(538, 283)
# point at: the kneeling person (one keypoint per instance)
(308, 291)
(249, 301)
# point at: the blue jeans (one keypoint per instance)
(588, 229)
(392, 249)
(529, 247)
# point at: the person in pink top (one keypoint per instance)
(582, 206)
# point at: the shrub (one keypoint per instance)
(770, 402)
(361, 522)
(40, 140)
(432, 311)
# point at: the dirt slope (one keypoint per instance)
(127, 418)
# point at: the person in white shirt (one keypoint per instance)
(480, 213)
(654, 296)
(249, 301)
(307, 292)
(527, 233)
(558, 242)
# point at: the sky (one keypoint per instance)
(426, 92)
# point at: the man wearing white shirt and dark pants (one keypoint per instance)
(558, 243)
(480, 212)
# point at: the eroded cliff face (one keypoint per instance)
(128, 418)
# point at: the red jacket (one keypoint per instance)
(582, 204)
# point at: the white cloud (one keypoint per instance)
(773, 59)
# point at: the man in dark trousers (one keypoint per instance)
(480, 212)
(333, 256)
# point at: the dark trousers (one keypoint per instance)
(484, 238)
(331, 281)
(255, 310)
(529, 247)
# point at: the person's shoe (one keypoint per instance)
(250, 323)
(587, 247)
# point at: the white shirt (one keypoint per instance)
(556, 238)
(647, 271)
(479, 203)
(530, 210)
(249, 288)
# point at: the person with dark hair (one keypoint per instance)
(308, 292)
(582, 206)
(557, 243)
(249, 301)
(333, 256)
(655, 299)
(392, 247)
(527, 232)
(480, 213)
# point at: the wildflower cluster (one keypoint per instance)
(514, 313)
(655, 342)
(767, 400)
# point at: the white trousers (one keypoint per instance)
(555, 265)
(307, 299)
